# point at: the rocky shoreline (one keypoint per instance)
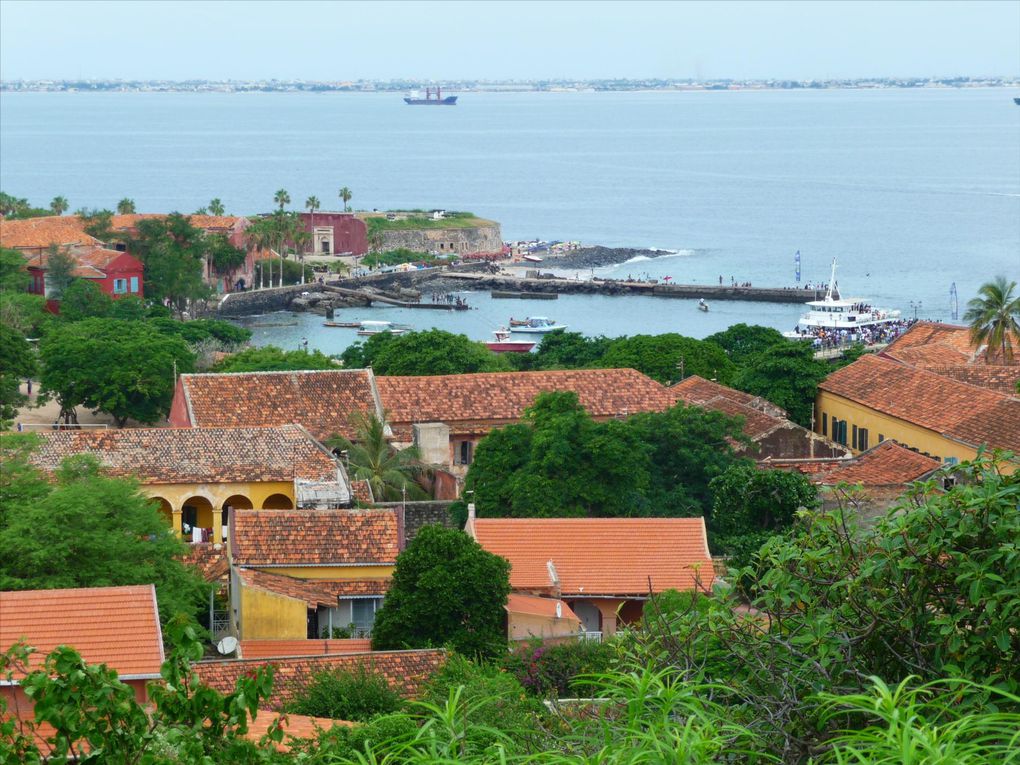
(597, 257)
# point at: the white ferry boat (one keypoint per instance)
(535, 325)
(834, 312)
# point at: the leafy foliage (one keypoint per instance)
(89, 530)
(84, 300)
(15, 208)
(994, 318)
(341, 695)
(430, 352)
(787, 375)
(173, 252)
(743, 341)
(660, 357)
(17, 361)
(13, 276)
(269, 358)
(392, 473)
(446, 590)
(397, 257)
(545, 670)
(124, 368)
(60, 268)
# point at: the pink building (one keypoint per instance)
(336, 233)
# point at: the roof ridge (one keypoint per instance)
(872, 358)
(265, 373)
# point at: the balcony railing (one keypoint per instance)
(220, 624)
(593, 636)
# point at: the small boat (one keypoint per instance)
(503, 343)
(532, 258)
(702, 305)
(342, 324)
(381, 328)
(834, 313)
(432, 98)
(536, 325)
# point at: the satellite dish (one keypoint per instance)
(227, 645)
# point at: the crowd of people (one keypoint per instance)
(824, 338)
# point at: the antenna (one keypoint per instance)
(227, 645)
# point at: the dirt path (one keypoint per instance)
(33, 418)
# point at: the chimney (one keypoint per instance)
(554, 578)
(469, 527)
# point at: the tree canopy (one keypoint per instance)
(269, 358)
(84, 300)
(994, 318)
(743, 341)
(446, 590)
(123, 368)
(787, 375)
(174, 253)
(430, 352)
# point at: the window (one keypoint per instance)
(463, 455)
(120, 286)
(134, 285)
(853, 439)
(839, 431)
(951, 461)
(881, 438)
(363, 614)
(825, 424)
(862, 439)
(325, 246)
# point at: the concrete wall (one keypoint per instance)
(433, 442)
(462, 241)
(419, 514)
(524, 626)
(268, 615)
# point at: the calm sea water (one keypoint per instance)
(911, 190)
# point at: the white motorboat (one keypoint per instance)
(835, 313)
(535, 325)
(381, 328)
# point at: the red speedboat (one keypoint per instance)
(503, 343)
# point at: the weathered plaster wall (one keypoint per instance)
(463, 241)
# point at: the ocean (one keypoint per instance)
(911, 190)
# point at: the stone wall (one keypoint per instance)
(419, 514)
(256, 302)
(463, 241)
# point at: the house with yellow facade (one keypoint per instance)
(310, 574)
(197, 475)
(878, 398)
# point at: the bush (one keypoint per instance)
(341, 695)
(551, 669)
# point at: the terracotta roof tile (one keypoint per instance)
(321, 401)
(362, 491)
(931, 341)
(116, 626)
(262, 538)
(536, 605)
(308, 590)
(494, 398)
(405, 671)
(196, 455)
(957, 410)
(887, 464)
(268, 649)
(210, 560)
(761, 417)
(35, 233)
(294, 726)
(999, 377)
(600, 556)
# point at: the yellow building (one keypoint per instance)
(197, 474)
(298, 574)
(878, 398)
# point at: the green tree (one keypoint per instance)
(224, 256)
(84, 300)
(787, 375)
(15, 208)
(17, 362)
(129, 308)
(570, 350)
(430, 602)
(282, 198)
(994, 318)
(435, 352)
(201, 330)
(391, 472)
(123, 368)
(60, 267)
(174, 254)
(13, 276)
(340, 695)
(345, 196)
(269, 358)
(743, 341)
(662, 357)
(59, 205)
(98, 223)
(90, 530)
(312, 204)
(216, 207)
(24, 313)
(126, 207)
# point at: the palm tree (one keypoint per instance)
(281, 198)
(59, 205)
(312, 203)
(258, 238)
(994, 318)
(216, 207)
(126, 206)
(345, 196)
(370, 458)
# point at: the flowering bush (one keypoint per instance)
(550, 669)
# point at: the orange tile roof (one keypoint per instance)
(321, 401)
(293, 727)
(956, 410)
(206, 222)
(308, 590)
(116, 626)
(887, 464)
(196, 455)
(210, 560)
(600, 556)
(536, 605)
(269, 649)
(36, 233)
(761, 417)
(265, 538)
(404, 670)
(941, 341)
(362, 491)
(998, 377)
(501, 397)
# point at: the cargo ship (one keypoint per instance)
(431, 99)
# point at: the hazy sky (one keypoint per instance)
(505, 40)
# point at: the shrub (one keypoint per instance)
(551, 669)
(342, 695)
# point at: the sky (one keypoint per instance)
(440, 40)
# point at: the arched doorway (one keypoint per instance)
(237, 502)
(197, 513)
(278, 502)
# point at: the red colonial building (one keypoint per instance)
(336, 233)
(116, 273)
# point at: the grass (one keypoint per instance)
(416, 221)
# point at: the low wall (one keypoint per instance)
(419, 514)
(255, 302)
(463, 241)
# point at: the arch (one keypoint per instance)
(165, 509)
(278, 502)
(236, 501)
(198, 512)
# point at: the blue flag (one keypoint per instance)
(796, 261)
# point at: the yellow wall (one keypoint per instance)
(906, 433)
(267, 615)
(523, 626)
(216, 493)
(334, 572)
